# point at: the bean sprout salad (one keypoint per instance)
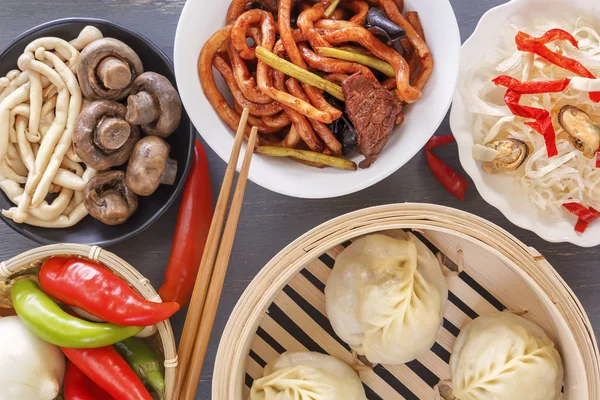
(534, 104)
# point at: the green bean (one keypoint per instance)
(369, 61)
(301, 74)
(319, 158)
(331, 9)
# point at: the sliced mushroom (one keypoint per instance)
(583, 133)
(102, 138)
(108, 199)
(106, 69)
(154, 104)
(150, 165)
(512, 153)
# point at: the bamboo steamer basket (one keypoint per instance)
(163, 341)
(283, 309)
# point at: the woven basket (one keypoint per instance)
(163, 341)
(283, 309)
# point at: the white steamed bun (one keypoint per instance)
(502, 356)
(385, 298)
(308, 376)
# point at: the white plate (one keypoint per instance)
(495, 189)
(201, 18)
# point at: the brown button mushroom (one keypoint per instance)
(106, 69)
(108, 199)
(149, 166)
(154, 104)
(102, 137)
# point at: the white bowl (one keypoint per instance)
(201, 18)
(495, 189)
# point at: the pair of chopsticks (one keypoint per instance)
(213, 266)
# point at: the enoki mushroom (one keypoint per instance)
(39, 105)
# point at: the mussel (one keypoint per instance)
(582, 132)
(512, 153)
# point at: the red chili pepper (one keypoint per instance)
(437, 141)
(526, 42)
(93, 288)
(107, 369)
(452, 181)
(193, 224)
(585, 216)
(77, 386)
(532, 87)
(542, 123)
(598, 159)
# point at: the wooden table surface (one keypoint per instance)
(270, 221)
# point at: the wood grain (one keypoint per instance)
(270, 221)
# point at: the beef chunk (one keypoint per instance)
(373, 111)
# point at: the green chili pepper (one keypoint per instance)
(145, 362)
(49, 322)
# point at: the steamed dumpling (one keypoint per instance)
(502, 356)
(308, 376)
(385, 298)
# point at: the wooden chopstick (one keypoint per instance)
(216, 282)
(208, 270)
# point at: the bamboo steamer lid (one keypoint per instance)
(283, 307)
(163, 341)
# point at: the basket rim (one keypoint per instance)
(240, 327)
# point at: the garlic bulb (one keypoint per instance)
(29, 367)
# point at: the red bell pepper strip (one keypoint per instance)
(551, 36)
(581, 226)
(452, 181)
(598, 159)
(512, 98)
(585, 216)
(582, 212)
(526, 42)
(532, 87)
(193, 224)
(77, 386)
(105, 367)
(91, 287)
(542, 123)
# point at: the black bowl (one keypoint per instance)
(89, 230)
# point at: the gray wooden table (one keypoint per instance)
(270, 221)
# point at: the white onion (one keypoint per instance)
(29, 367)
(545, 183)
(147, 331)
(495, 131)
(585, 84)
